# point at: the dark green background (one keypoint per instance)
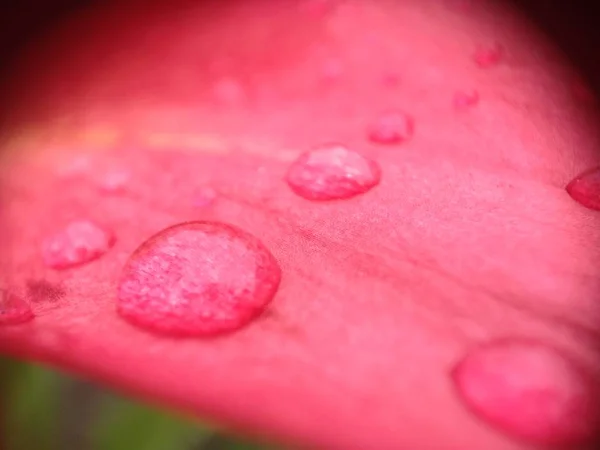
(46, 410)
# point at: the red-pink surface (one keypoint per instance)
(469, 237)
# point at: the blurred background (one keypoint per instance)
(46, 410)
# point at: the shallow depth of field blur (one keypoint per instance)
(46, 410)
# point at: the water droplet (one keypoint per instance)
(13, 309)
(81, 241)
(197, 279)
(585, 189)
(529, 390)
(393, 127)
(332, 172)
(488, 56)
(205, 197)
(465, 99)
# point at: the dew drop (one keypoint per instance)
(391, 128)
(197, 279)
(13, 309)
(530, 391)
(465, 99)
(585, 189)
(488, 56)
(80, 242)
(332, 172)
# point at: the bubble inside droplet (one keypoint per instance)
(529, 390)
(13, 309)
(197, 279)
(80, 242)
(392, 127)
(332, 172)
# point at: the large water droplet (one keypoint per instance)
(465, 99)
(488, 56)
(393, 127)
(529, 390)
(81, 241)
(197, 279)
(13, 309)
(332, 172)
(585, 189)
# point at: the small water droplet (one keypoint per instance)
(585, 189)
(205, 197)
(393, 127)
(332, 172)
(13, 309)
(197, 279)
(465, 99)
(529, 390)
(80, 242)
(488, 56)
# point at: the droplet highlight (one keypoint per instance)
(332, 172)
(14, 310)
(488, 56)
(530, 391)
(465, 99)
(80, 242)
(391, 128)
(197, 279)
(585, 189)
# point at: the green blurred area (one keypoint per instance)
(45, 410)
